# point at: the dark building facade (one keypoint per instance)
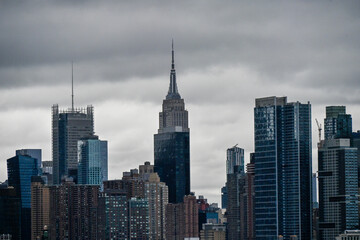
(10, 213)
(69, 126)
(20, 170)
(338, 176)
(283, 168)
(172, 143)
(73, 213)
(182, 219)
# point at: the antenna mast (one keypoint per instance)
(72, 86)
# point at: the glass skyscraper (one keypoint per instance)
(338, 176)
(283, 168)
(172, 143)
(69, 126)
(20, 170)
(93, 161)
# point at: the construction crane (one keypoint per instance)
(319, 129)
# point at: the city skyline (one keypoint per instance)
(224, 62)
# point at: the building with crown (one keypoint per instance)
(172, 143)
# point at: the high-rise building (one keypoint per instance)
(34, 153)
(283, 168)
(156, 194)
(138, 218)
(40, 207)
(182, 219)
(93, 161)
(69, 126)
(73, 212)
(172, 143)
(249, 199)
(338, 176)
(20, 170)
(235, 214)
(234, 157)
(10, 213)
(113, 214)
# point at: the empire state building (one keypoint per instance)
(172, 142)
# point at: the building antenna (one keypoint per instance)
(72, 86)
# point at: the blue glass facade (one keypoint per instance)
(172, 163)
(283, 168)
(20, 170)
(93, 161)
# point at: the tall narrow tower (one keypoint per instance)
(69, 126)
(283, 168)
(172, 142)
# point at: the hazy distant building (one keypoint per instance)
(172, 143)
(40, 207)
(338, 176)
(73, 212)
(182, 219)
(92, 161)
(69, 126)
(20, 170)
(47, 172)
(234, 157)
(283, 167)
(10, 213)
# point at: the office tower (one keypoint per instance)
(337, 123)
(113, 214)
(69, 126)
(182, 219)
(47, 172)
(234, 157)
(349, 235)
(283, 169)
(338, 177)
(212, 231)
(20, 170)
(156, 194)
(34, 153)
(314, 191)
(235, 215)
(172, 143)
(138, 218)
(93, 161)
(73, 212)
(10, 213)
(40, 207)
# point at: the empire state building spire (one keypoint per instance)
(173, 91)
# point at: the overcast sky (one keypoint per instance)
(227, 53)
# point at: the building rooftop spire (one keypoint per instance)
(173, 91)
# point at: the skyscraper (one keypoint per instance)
(20, 170)
(10, 212)
(69, 126)
(172, 143)
(338, 176)
(283, 168)
(40, 207)
(93, 161)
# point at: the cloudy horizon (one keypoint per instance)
(226, 55)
